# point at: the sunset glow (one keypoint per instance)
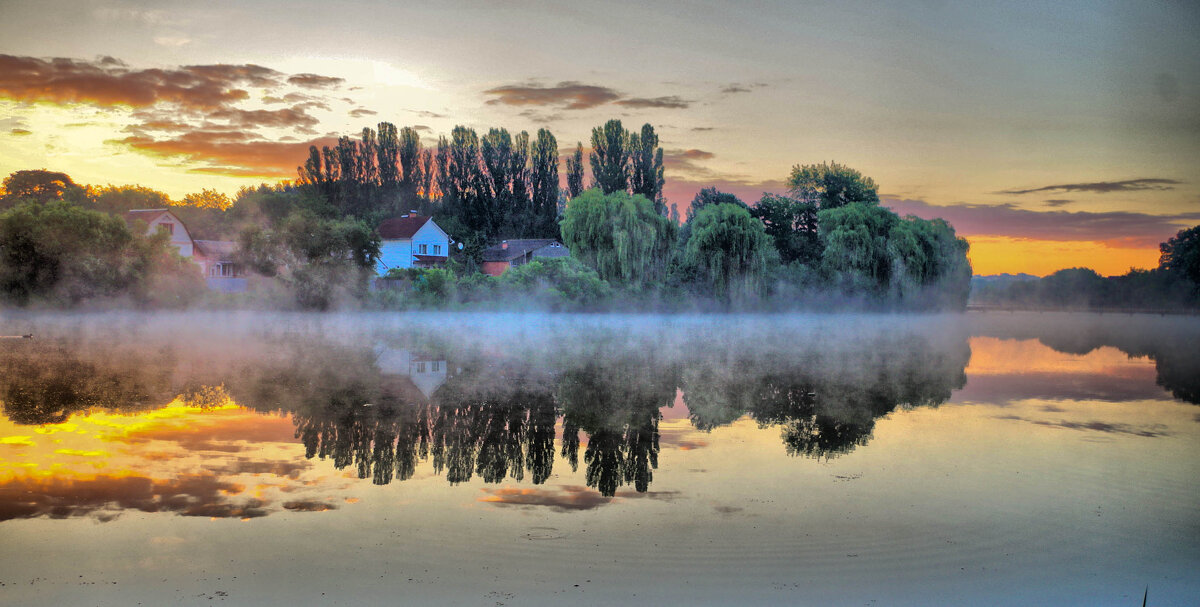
(1038, 121)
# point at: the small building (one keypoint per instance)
(511, 253)
(163, 220)
(411, 241)
(216, 259)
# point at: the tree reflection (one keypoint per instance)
(472, 409)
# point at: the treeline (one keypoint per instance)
(1173, 285)
(825, 243)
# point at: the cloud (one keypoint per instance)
(692, 154)
(172, 41)
(315, 81)
(308, 506)
(567, 498)
(104, 497)
(735, 88)
(571, 95)
(1057, 202)
(238, 154)
(702, 129)
(110, 83)
(359, 112)
(20, 132)
(1104, 187)
(249, 119)
(1117, 228)
(669, 102)
(427, 114)
(1147, 431)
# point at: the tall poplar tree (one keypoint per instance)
(544, 183)
(610, 157)
(575, 172)
(646, 167)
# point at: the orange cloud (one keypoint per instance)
(111, 83)
(230, 152)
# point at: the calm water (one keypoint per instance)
(1006, 459)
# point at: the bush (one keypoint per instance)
(558, 283)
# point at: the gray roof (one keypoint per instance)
(220, 250)
(544, 247)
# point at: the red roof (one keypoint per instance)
(401, 227)
(146, 215)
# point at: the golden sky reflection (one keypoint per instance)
(223, 461)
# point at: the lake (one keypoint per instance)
(510, 459)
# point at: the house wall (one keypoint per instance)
(435, 240)
(399, 253)
(394, 254)
(494, 268)
(180, 238)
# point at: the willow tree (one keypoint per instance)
(729, 250)
(620, 235)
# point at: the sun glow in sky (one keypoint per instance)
(1050, 134)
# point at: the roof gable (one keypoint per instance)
(398, 228)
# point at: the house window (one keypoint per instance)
(437, 249)
(167, 227)
(420, 367)
(437, 364)
(423, 249)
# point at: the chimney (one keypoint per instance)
(504, 245)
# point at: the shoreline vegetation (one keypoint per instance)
(313, 244)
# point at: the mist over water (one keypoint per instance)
(760, 431)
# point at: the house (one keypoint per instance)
(217, 264)
(411, 241)
(408, 369)
(510, 253)
(215, 257)
(163, 220)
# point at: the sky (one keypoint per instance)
(1051, 135)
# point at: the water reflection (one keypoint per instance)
(509, 406)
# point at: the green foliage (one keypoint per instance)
(320, 260)
(646, 167)
(792, 225)
(855, 241)
(729, 251)
(40, 186)
(831, 185)
(544, 185)
(62, 254)
(557, 283)
(575, 172)
(619, 235)
(118, 199)
(610, 157)
(1181, 255)
(435, 287)
(918, 263)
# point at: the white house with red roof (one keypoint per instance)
(411, 241)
